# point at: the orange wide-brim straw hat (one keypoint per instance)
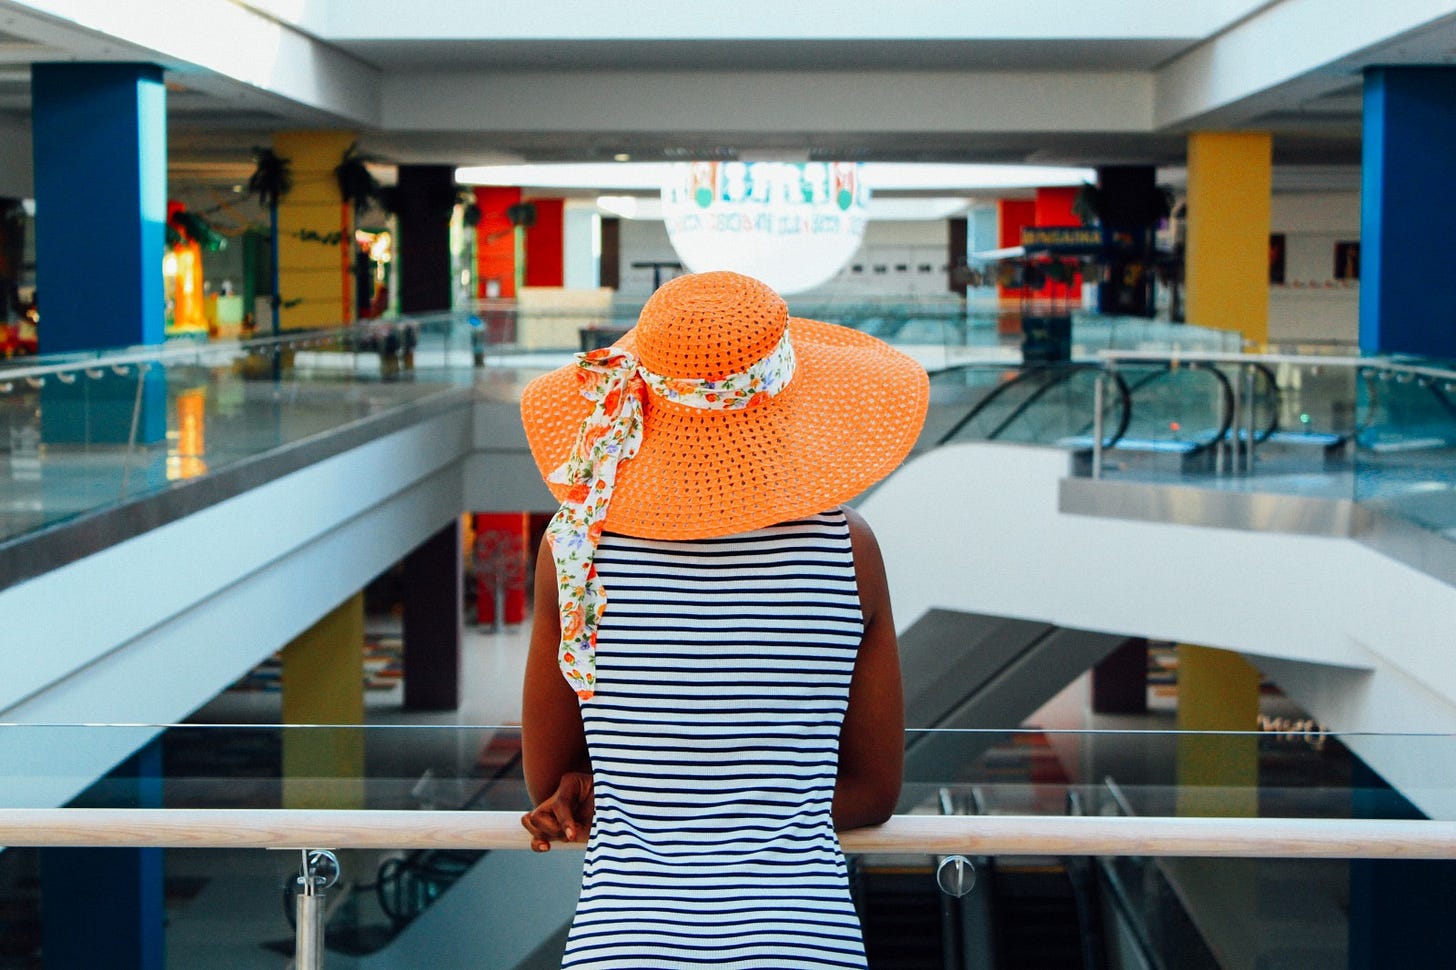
(847, 418)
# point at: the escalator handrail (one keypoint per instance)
(418, 860)
(1125, 391)
(1117, 893)
(1273, 425)
(1082, 876)
(1226, 399)
(1031, 399)
(1226, 407)
(1027, 372)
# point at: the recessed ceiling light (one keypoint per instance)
(621, 157)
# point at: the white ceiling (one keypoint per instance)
(459, 82)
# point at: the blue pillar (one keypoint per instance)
(100, 136)
(106, 907)
(1407, 289)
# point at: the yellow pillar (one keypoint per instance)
(313, 275)
(1218, 775)
(1230, 177)
(323, 683)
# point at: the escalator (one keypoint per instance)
(1023, 913)
(1182, 410)
(966, 670)
(1042, 403)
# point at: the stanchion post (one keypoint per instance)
(1249, 379)
(320, 870)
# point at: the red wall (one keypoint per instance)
(495, 238)
(545, 242)
(1054, 207)
(1011, 215)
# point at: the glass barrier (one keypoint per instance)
(439, 906)
(76, 436)
(1405, 459)
(86, 431)
(1372, 430)
(1093, 333)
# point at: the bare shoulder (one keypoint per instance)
(869, 566)
(862, 539)
(859, 529)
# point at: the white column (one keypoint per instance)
(581, 245)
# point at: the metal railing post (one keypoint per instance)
(1099, 396)
(320, 870)
(1249, 371)
(1235, 427)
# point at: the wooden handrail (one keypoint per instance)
(903, 834)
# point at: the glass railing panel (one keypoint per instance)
(1165, 911)
(1296, 770)
(1169, 911)
(1378, 431)
(77, 437)
(1245, 422)
(1093, 332)
(1406, 459)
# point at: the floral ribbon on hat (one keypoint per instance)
(610, 435)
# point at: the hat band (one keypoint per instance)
(762, 380)
(610, 435)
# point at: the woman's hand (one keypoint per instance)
(566, 816)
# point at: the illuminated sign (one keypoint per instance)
(1061, 239)
(791, 225)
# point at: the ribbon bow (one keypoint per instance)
(610, 435)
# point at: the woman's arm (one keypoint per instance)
(553, 744)
(872, 740)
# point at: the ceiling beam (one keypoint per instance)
(218, 40)
(799, 103)
(1293, 51)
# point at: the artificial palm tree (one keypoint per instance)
(358, 190)
(272, 179)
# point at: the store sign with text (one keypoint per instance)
(792, 225)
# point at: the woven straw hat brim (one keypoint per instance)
(849, 416)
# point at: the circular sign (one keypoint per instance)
(791, 225)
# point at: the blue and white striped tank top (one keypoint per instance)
(723, 669)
